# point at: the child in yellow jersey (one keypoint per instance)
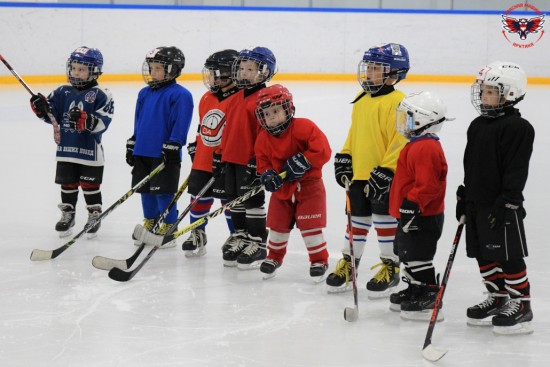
(367, 161)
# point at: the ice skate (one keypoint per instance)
(482, 313)
(381, 284)
(94, 211)
(148, 225)
(514, 318)
(194, 246)
(66, 223)
(340, 279)
(269, 268)
(233, 239)
(251, 256)
(317, 271)
(165, 228)
(230, 256)
(421, 304)
(403, 295)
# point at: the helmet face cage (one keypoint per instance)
(271, 98)
(372, 75)
(420, 114)
(391, 59)
(91, 58)
(217, 70)
(247, 75)
(172, 61)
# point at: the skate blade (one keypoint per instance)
(195, 253)
(319, 279)
(341, 289)
(230, 264)
(170, 244)
(252, 266)
(66, 233)
(90, 236)
(488, 321)
(269, 276)
(372, 295)
(523, 328)
(421, 315)
(395, 307)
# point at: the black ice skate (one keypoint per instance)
(233, 239)
(404, 295)
(340, 279)
(482, 313)
(251, 256)
(381, 284)
(317, 271)
(230, 256)
(514, 318)
(66, 223)
(194, 246)
(165, 228)
(269, 268)
(422, 303)
(94, 211)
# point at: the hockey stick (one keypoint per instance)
(56, 129)
(351, 314)
(158, 240)
(429, 352)
(106, 263)
(52, 254)
(123, 276)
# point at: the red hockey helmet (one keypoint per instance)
(274, 109)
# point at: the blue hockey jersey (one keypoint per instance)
(82, 147)
(162, 115)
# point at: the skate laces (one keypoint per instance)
(165, 228)
(343, 269)
(385, 273)
(251, 249)
(148, 224)
(237, 247)
(511, 307)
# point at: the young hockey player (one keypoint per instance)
(299, 148)
(368, 161)
(496, 163)
(162, 119)
(216, 77)
(84, 111)
(247, 248)
(417, 198)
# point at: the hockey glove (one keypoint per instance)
(343, 168)
(271, 180)
(218, 167)
(296, 167)
(40, 106)
(81, 121)
(251, 177)
(378, 185)
(191, 150)
(171, 153)
(460, 202)
(130, 143)
(409, 213)
(502, 208)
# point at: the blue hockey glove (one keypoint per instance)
(271, 180)
(296, 167)
(343, 169)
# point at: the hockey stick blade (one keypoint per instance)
(433, 354)
(40, 255)
(351, 314)
(105, 263)
(120, 275)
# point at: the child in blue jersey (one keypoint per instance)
(84, 112)
(163, 115)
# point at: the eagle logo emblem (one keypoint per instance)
(523, 26)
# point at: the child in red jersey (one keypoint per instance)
(417, 200)
(299, 148)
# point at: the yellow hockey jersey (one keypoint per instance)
(372, 138)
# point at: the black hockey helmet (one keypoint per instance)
(173, 60)
(217, 69)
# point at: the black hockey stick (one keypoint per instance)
(429, 352)
(351, 314)
(106, 263)
(158, 240)
(52, 254)
(123, 276)
(56, 128)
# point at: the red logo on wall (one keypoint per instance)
(528, 30)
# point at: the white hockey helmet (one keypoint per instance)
(510, 81)
(420, 114)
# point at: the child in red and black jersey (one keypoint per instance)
(417, 200)
(299, 148)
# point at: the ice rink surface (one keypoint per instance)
(195, 312)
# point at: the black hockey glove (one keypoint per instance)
(409, 213)
(378, 185)
(497, 217)
(191, 150)
(218, 167)
(40, 106)
(251, 177)
(343, 169)
(130, 151)
(271, 180)
(296, 167)
(460, 202)
(81, 121)
(171, 153)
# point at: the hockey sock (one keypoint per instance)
(492, 275)
(69, 194)
(423, 271)
(149, 206)
(386, 228)
(276, 245)
(228, 218)
(515, 278)
(92, 193)
(360, 229)
(163, 200)
(256, 224)
(316, 245)
(238, 217)
(200, 209)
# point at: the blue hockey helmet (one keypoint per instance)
(267, 66)
(90, 57)
(392, 58)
